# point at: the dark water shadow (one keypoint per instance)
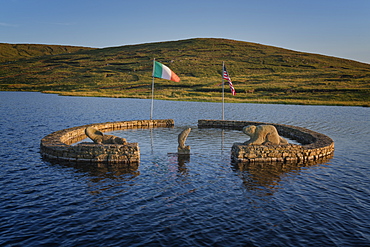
(264, 178)
(100, 171)
(181, 160)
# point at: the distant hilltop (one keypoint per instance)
(260, 73)
(13, 52)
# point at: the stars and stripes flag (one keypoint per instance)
(227, 77)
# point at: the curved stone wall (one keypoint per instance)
(315, 146)
(57, 145)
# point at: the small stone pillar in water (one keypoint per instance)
(182, 149)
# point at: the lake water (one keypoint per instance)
(202, 201)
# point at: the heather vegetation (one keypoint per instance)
(13, 52)
(260, 73)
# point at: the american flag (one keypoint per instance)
(227, 77)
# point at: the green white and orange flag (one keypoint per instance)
(162, 71)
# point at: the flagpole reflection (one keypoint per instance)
(151, 141)
(222, 141)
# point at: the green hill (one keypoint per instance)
(260, 73)
(13, 52)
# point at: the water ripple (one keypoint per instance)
(164, 201)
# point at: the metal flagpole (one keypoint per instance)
(152, 105)
(223, 92)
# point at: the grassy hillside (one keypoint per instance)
(261, 74)
(13, 52)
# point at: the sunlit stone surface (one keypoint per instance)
(314, 146)
(58, 144)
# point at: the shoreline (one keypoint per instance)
(202, 99)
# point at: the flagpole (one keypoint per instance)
(223, 92)
(152, 105)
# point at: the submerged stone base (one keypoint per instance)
(315, 146)
(57, 145)
(290, 153)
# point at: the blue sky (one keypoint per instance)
(339, 28)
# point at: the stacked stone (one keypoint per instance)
(315, 146)
(58, 144)
(271, 153)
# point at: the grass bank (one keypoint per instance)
(261, 74)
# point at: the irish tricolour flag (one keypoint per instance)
(162, 71)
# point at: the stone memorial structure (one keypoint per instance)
(264, 146)
(314, 146)
(263, 135)
(182, 149)
(58, 145)
(99, 138)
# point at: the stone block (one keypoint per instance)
(57, 145)
(315, 146)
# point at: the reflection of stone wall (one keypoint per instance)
(315, 146)
(57, 145)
